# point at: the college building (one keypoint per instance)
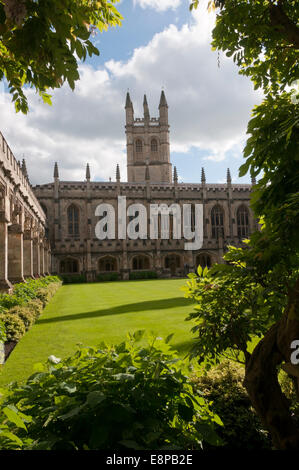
(71, 207)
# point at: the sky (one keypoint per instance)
(160, 45)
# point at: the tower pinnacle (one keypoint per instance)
(87, 172)
(56, 173)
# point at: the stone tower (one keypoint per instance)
(148, 144)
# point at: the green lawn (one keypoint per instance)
(90, 313)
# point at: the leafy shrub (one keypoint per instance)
(14, 326)
(25, 314)
(143, 275)
(2, 332)
(26, 302)
(36, 307)
(128, 396)
(241, 426)
(8, 301)
(108, 277)
(10, 420)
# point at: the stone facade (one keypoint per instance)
(24, 248)
(71, 206)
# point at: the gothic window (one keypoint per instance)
(172, 261)
(154, 145)
(243, 222)
(140, 262)
(73, 221)
(69, 266)
(138, 145)
(203, 260)
(217, 222)
(107, 264)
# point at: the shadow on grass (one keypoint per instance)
(184, 347)
(127, 308)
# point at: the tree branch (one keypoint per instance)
(283, 24)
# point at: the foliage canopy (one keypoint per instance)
(42, 42)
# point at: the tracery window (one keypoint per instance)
(108, 264)
(154, 145)
(243, 222)
(203, 260)
(69, 265)
(138, 146)
(73, 221)
(140, 262)
(217, 222)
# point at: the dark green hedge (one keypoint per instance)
(143, 275)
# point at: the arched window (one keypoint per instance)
(243, 222)
(203, 260)
(217, 222)
(140, 262)
(73, 221)
(69, 265)
(172, 261)
(154, 145)
(138, 146)
(108, 263)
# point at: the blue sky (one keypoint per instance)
(160, 44)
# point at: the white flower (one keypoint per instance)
(54, 359)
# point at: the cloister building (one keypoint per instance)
(71, 207)
(24, 248)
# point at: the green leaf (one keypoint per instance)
(12, 415)
(95, 398)
(169, 338)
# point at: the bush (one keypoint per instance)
(14, 326)
(241, 426)
(36, 307)
(143, 275)
(108, 277)
(119, 398)
(25, 314)
(2, 332)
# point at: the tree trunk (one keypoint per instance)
(261, 376)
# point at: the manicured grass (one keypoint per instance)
(91, 313)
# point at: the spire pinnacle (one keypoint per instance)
(163, 101)
(56, 174)
(87, 172)
(253, 180)
(175, 175)
(228, 177)
(203, 176)
(128, 101)
(24, 168)
(145, 108)
(117, 173)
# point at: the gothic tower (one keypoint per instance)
(148, 144)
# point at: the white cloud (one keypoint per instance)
(159, 5)
(208, 107)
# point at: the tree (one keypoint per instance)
(42, 41)
(257, 293)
